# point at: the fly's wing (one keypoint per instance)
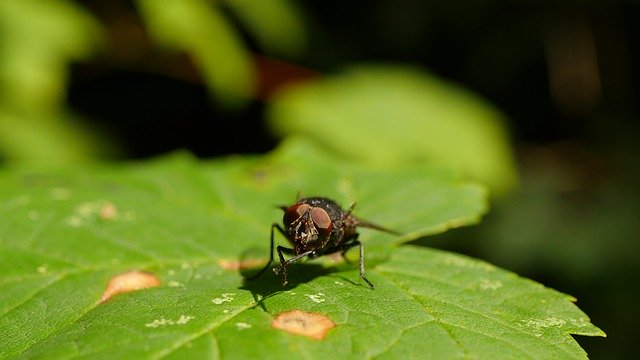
(363, 223)
(366, 224)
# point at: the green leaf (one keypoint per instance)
(67, 231)
(395, 114)
(276, 24)
(38, 39)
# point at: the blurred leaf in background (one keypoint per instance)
(38, 39)
(393, 114)
(276, 25)
(201, 30)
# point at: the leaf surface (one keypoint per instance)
(67, 231)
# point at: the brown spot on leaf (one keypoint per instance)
(129, 281)
(238, 265)
(311, 325)
(108, 211)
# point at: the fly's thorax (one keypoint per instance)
(349, 224)
(329, 206)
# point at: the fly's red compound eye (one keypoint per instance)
(321, 220)
(294, 213)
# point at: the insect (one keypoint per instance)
(317, 226)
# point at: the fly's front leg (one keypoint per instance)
(273, 226)
(285, 263)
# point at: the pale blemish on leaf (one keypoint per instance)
(539, 325)
(243, 326)
(316, 298)
(74, 221)
(174, 283)
(311, 325)
(108, 211)
(235, 265)
(226, 297)
(580, 322)
(459, 261)
(487, 284)
(19, 201)
(183, 319)
(60, 193)
(42, 269)
(129, 281)
(90, 209)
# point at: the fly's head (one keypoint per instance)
(307, 226)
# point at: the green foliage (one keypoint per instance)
(37, 41)
(196, 27)
(276, 25)
(40, 38)
(201, 30)
(391, 114)
(180, 219)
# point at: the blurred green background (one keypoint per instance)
(535, 99)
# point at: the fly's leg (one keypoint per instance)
(285, 263)
(355, 242)
(274, 226)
